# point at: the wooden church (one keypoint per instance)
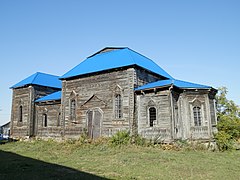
(112, 90)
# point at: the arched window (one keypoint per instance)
(45, 120)
(197, 116)
(20, 114)
(118, 106)
(152, 115)
(73, 109)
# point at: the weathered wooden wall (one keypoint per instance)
(212, 106)
(96, 94)
(25, 97)
(98, 91)
(143, 77)
(175, 118)
(21, 97)
(162, 126)
(176, 115)
(186, 103)
(54, 124)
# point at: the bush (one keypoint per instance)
(120, 138)
(228, 132)
(230, 125)
(224, 141)
(138, 140)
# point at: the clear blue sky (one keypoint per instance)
(196, 41)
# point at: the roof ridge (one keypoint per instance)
(46, 74)
(36, 74)
(129, 53)
(142, 55)
(150, 60)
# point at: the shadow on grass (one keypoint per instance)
(14, 166)
(7, 140)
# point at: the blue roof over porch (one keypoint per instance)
(51, 97)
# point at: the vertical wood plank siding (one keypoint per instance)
(95, 109)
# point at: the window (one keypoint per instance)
(152, 115)
(118, 106)
(58, 119)
(197, 116)
(45, 120)
(73, 109)
(20, 114)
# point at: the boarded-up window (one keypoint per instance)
(197, 116)
(45, 120)
(118, 106)
(152, 115)
(73, 110)
(20, 114)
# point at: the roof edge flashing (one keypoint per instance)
(112, 69)
(152, 88)
(27, 85)
(46, 101)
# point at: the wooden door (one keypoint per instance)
(90, 119)
(94, 122)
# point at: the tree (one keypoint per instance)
(225, 106)
(228, 114)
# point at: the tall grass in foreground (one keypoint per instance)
(120, 157)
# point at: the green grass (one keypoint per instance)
(72, 160)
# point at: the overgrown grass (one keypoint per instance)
(120, 162)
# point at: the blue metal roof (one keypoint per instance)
(174, 82)
(51, 97)
(121, 57)
(41, 79)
